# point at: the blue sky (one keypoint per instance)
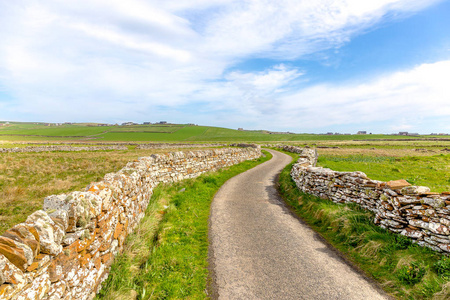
(287, 65)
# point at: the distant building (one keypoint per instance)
(162, 122)
(127, 123)
(361, 132)
(147, 123)
(102, 124)
(241, 129)
(403, 133)
(329, 133)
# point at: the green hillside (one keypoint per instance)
(159, 133)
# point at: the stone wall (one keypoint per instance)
(412, 211)
(65, 250)
(104, 147)
(179, 145)
(60, 148)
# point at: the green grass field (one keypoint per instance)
(170, 132)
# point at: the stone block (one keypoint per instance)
(9, 273)
(22, 234)
(49, 240)
(17, 253)
(397, 184)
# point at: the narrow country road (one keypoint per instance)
(259, 250)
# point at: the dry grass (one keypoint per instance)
(27, 178)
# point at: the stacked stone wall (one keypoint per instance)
(65, 250)
(60, 148)
(52, 148)
(412, 211)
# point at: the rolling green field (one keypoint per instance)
(170, 132)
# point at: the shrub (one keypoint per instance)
(442, 267)
(411, 274)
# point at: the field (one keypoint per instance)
(169, 132)
(27, 178)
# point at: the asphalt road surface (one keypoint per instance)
(260, 250)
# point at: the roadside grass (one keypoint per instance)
(27, 178)
(431, 171)
(166, 256)
(405, 270)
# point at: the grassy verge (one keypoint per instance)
(431, 171)
(405, 270)
(166, 256)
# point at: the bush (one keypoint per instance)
(411, 274)
(442, 267)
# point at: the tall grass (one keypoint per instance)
(27, 178)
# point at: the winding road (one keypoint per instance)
(260, 250)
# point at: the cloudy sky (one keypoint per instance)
(292, 65)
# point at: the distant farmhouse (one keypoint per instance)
(361, 132)
(405, 133)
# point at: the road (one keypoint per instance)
(260, 250)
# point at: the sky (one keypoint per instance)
(302, 66)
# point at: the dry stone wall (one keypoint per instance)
(65, 250)
(104, 147)
(412, 211)
(60, 148)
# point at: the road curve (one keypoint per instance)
(259, 250)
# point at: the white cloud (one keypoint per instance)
(103, 59)
(402, 99)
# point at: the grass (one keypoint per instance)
(166, 256)
(170, 132)
(405, 270)
(27, 178)
(431, 171)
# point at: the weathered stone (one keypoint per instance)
(9, 273)
(49, 242)
(415, 234)
(436, 203)
(397, 184)
(408, 200)
(438, 228)
(17, 253)
(38, 289)
(22, 234)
